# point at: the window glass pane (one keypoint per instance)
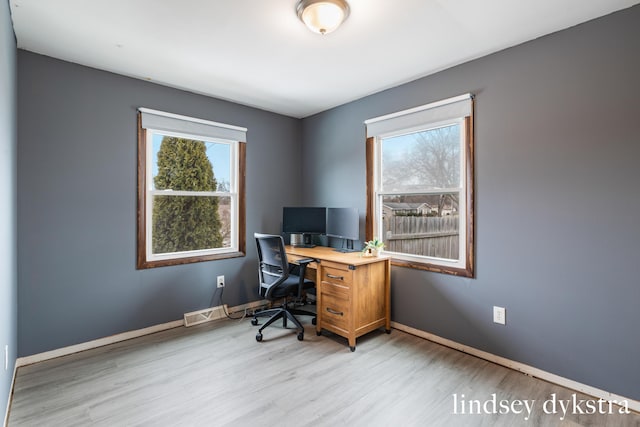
(421, 161)
(424, 225)
(182, 164)
(220, 157)
(224, 213)
(188, 223)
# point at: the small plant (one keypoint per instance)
(372, 247)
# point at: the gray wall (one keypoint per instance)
(8, 141)
(77, 204)
(557, 149)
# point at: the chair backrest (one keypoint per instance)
(274, 267)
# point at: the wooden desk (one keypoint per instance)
(353, 292)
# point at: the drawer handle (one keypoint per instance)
(331, 276)
(332, 311)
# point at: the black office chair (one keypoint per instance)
(278, 282)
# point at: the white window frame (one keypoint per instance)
(424, 118)
(233, 194)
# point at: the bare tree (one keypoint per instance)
(436, 156)
(428, 159)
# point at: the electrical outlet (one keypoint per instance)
(499, 315)
(220, 281)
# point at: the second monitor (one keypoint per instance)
(344, 223)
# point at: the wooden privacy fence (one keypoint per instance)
(422, 235)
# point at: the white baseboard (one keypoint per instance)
(249, 306)
(40, 357)
(64, 351)
(634, 405)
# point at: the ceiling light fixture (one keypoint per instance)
(322, 16)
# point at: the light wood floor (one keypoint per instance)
(216, 374)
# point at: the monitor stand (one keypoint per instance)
(348, 249)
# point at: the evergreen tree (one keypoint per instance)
(185, 223)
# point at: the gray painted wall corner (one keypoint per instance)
(8, 238)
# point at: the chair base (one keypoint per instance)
(284, 313)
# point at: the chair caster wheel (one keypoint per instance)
(388, 331)
(300, 336)
(352, 349)
(254, 321)
(258, 337)
(314, 321)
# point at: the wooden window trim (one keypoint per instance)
(469, 269)
(141, 256)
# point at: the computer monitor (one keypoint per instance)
(343, 223)
(304, 220)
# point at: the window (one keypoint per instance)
(190, 190)
(420, 186)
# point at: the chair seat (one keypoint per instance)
(290, 287)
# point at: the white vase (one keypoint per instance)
(372, 252)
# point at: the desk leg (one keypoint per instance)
(318, 300)
(387, 296)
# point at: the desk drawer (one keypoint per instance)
(337, 276)
(337, 290)
(335, 311)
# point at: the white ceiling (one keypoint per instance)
(257, 52)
